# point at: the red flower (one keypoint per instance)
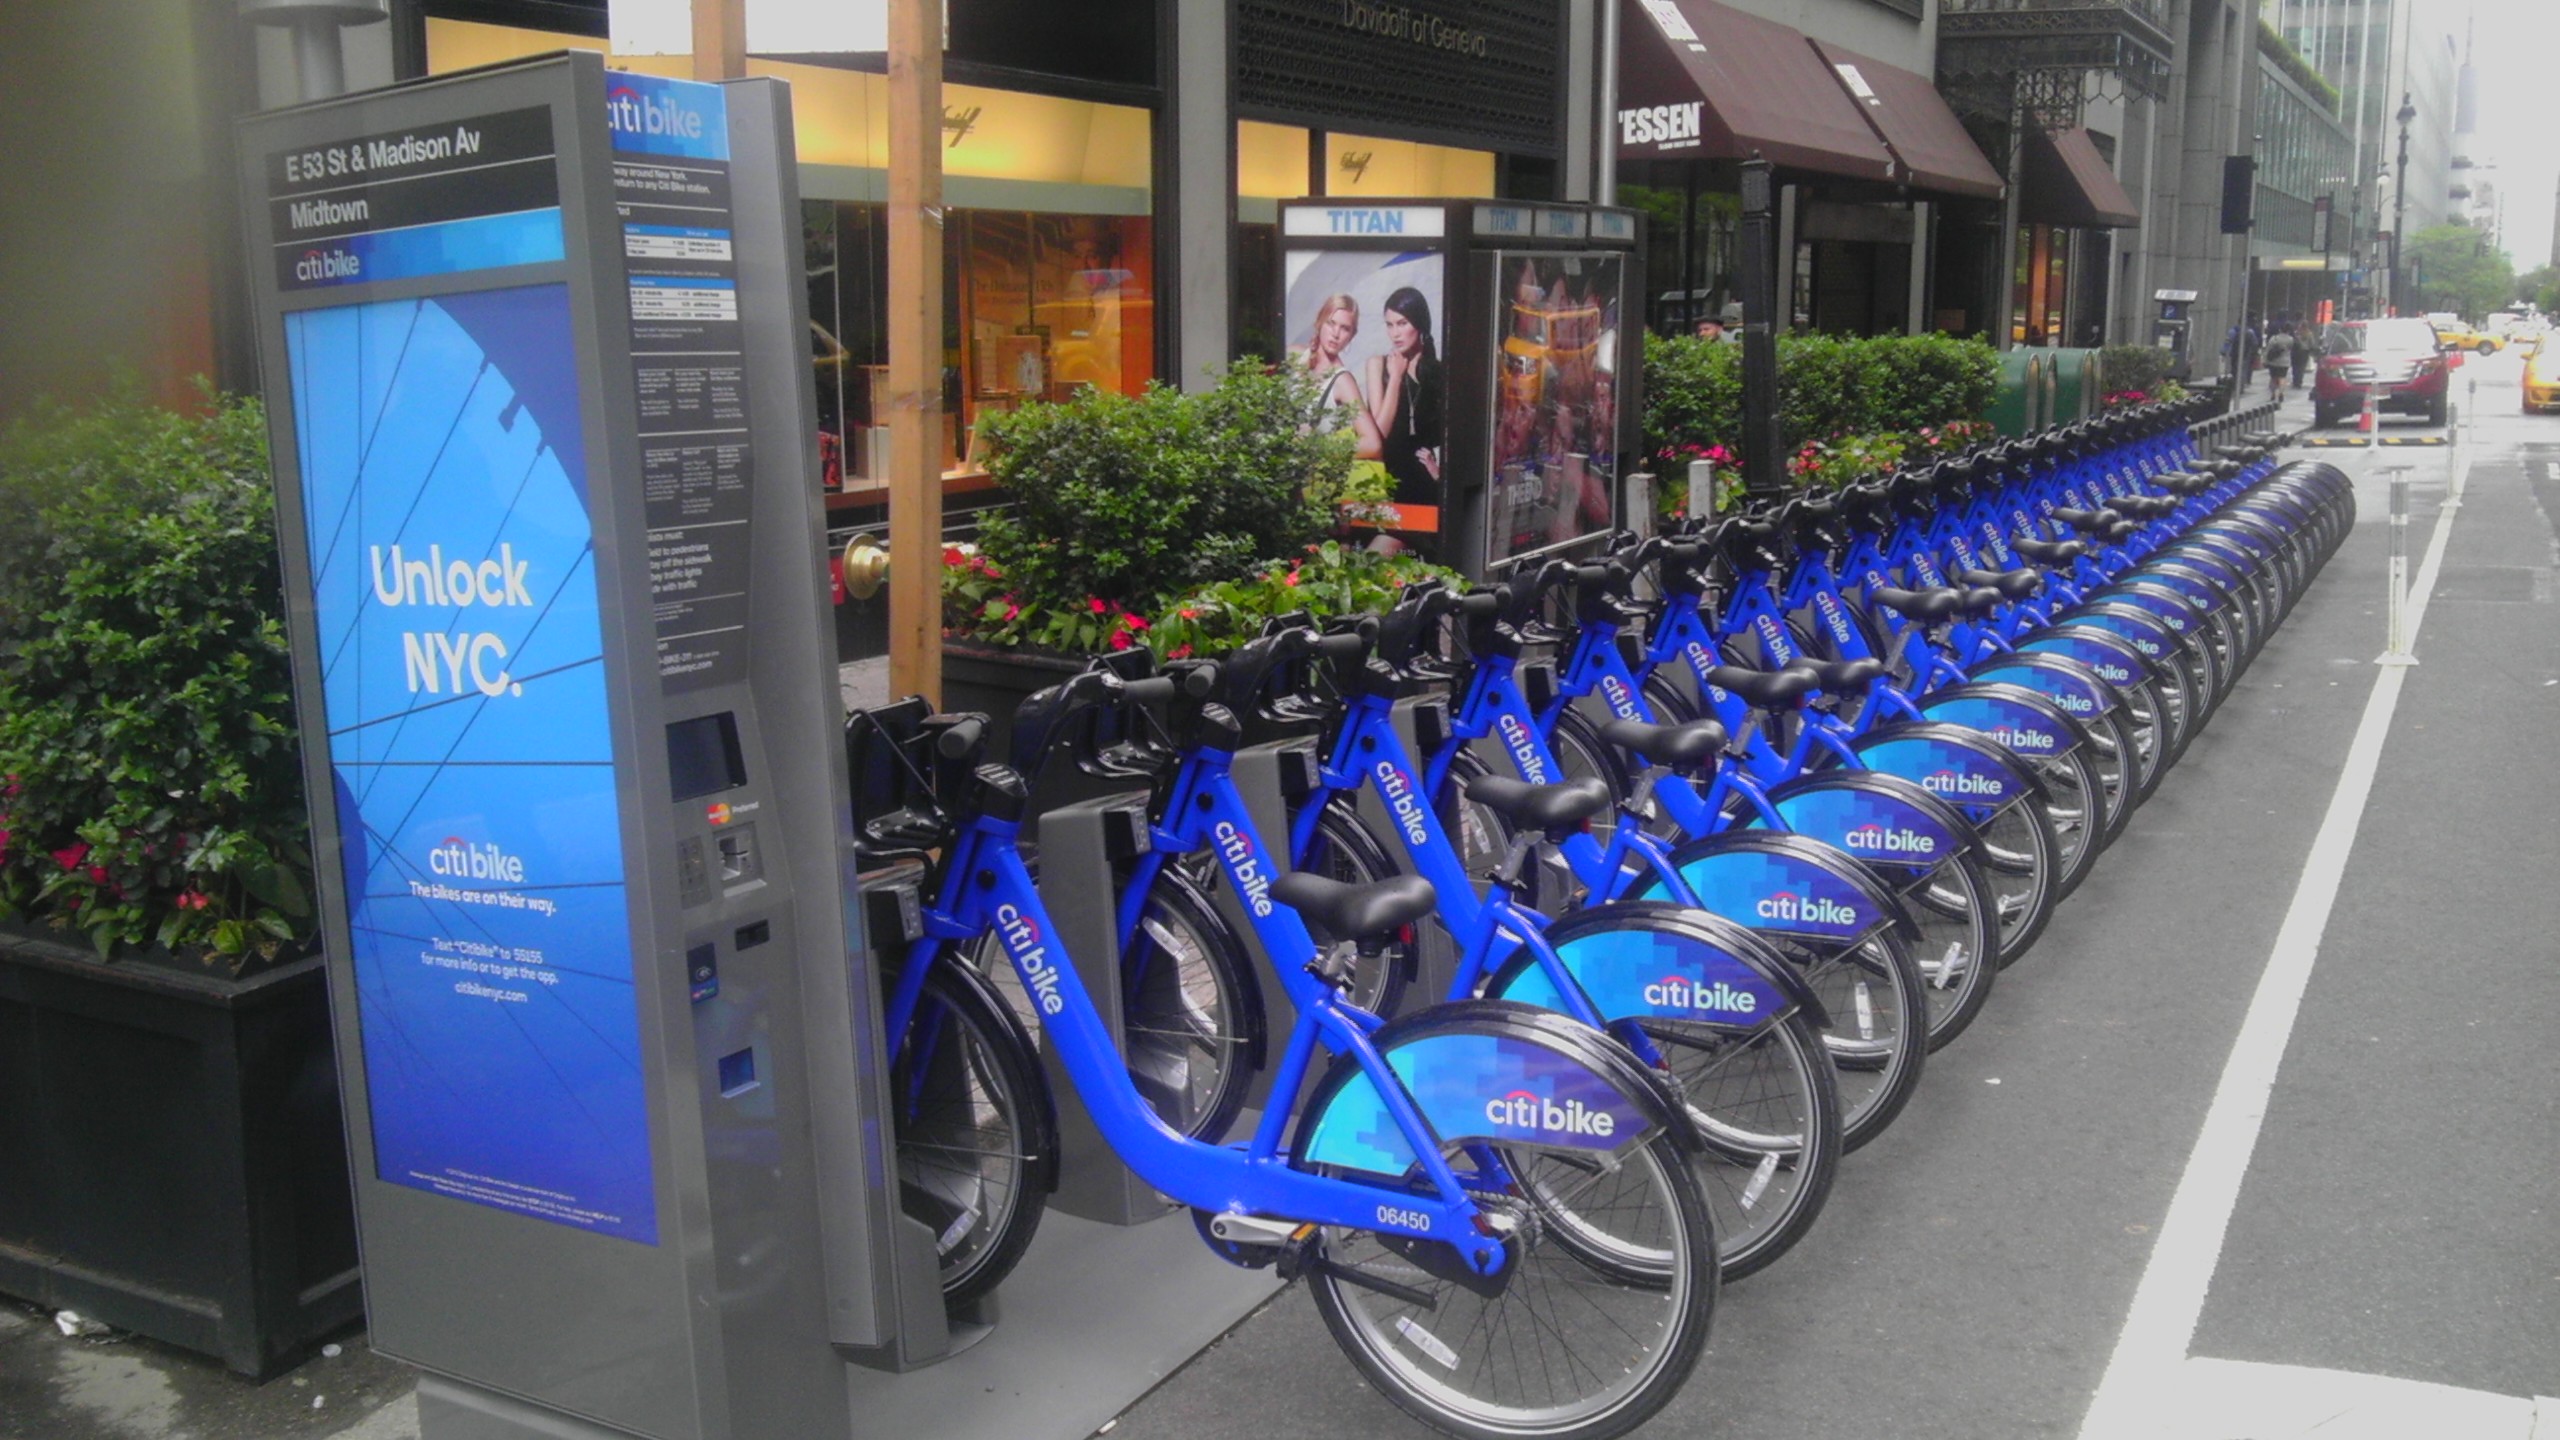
(953, 555)
(1133, 622)
(1120, 640)
(1187, 613)
(69, 857)
(1095, 601)
(10, 786)
(1178, 652)
(1290, 579)
(194, 900)
(97, 874)
(1011, 610)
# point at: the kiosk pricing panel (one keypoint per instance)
(541, 429)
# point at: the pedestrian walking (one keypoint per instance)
(2279, 354)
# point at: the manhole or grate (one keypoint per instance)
(2510, 584)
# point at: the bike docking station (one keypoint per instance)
(608, 1027)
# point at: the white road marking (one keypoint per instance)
(2232, 1399)
(2139, 1395)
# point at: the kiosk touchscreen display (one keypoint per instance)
(470, 750)
(703, 756)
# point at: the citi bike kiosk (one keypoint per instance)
(609, 1033)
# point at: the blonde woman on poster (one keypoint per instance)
(1337, 325)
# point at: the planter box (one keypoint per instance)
(171, 1155)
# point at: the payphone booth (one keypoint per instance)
(1485, 353)
(533, 345)
(2171, 331)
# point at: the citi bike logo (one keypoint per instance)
(1524, 748)
(1622, 701)
(2040, 741)
(1236, 848)
(1809, 909)
(461, 859)
(1673, 992)
(1953, 782)
(1833, 617)
(2076, 703)
(1702, 660)
(636, 113)
(1773, 638)
(1875, 838)
(1524, 1111)
(1402, 802)
(1022, 941)
(336, 263)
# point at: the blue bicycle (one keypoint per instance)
(1491, 1205)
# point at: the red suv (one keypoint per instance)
(2400, 358)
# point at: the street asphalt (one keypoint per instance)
(1974, 1270)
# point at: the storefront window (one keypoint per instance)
(1036, 306)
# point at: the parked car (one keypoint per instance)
(2542, 377)
(2401, 358)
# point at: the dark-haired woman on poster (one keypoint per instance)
(1403, 392)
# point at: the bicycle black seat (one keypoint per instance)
(2143, 507)
(1681, 748)
(1764, 689)
(1546, 808)
(1355, 912)
(1839, 675)
(1921, 604)
(2050, 552)
(2012, 584)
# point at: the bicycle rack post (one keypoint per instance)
(2398, 653)
(2371, 422)
(1702, 489)
(1079, 844)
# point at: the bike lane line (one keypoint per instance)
(2145, 1391)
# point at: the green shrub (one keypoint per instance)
(1830, 388)
(1331, 579)
(153, 789)
(2133, 369)
(1126, 499)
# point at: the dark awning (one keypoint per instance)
(1703, 81)
(1915, 123)
(2063, 180)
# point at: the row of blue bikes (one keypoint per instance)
(1612, 905)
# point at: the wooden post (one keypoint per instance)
(719, 39)
(915, 348)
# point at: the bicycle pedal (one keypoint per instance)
(1250, 1242)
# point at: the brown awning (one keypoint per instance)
(1703, 81)
(2063, 180)
(1914, 122)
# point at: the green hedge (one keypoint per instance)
(1830, 388)
(150, 781)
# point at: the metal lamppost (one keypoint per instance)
(2400, 197)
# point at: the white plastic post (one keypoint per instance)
(1702, 489)
(2397, 652)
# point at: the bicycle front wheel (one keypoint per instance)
(1600, 1319)
(977, 1147)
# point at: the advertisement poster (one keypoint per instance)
(1555, 406)
(461, 649)
(1372, 326)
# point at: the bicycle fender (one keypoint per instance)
(1485, 1070)
(2158, 596)
(2021, 719)
(1955, 764)
(1637, 959)
(1875, 819)
(2140, 628)
(2074, 687)
(1787, 884)
(2112, 656)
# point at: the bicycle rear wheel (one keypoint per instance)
(1592, 1331)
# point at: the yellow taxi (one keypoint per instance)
(2541, 376)
(2456, 335)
